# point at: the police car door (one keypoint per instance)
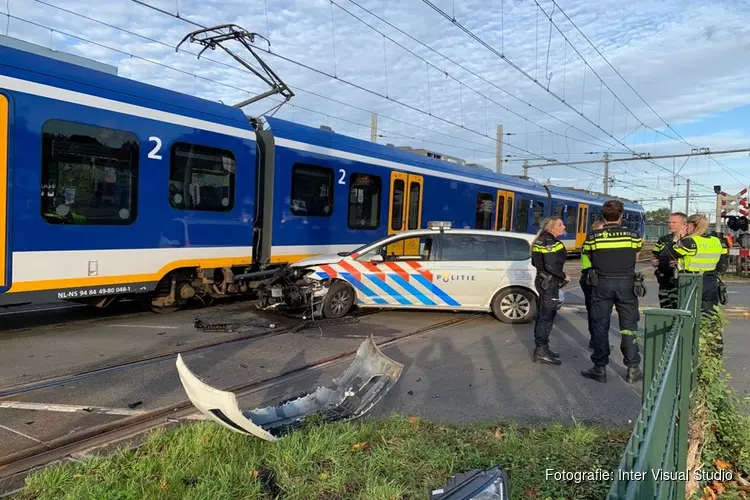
(400, 280)
(464, 271)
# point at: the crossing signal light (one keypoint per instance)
(737, 223)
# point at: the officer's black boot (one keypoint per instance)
(543, 355)
(598, 373)
(634, 374)
(552, 353)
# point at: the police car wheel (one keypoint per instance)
(338, 301)
(514, 305)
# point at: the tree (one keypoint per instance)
(657, 216)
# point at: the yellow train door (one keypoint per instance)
(583, 217)
(504, 211)
(405, 210)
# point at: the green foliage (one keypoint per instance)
(728, 430)
(391, 458)
(660, 215)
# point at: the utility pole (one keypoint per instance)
(687, 197)
(717, 189)
(606, 173)
(526, 169)
(499, 152)
(671, 204)
(374, 127)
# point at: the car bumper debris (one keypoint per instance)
(370, 376)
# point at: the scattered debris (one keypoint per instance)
(137, 403)
(488, 484)
(323, 322)
(370, 376)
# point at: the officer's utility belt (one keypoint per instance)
(638, 288)
(704, 273)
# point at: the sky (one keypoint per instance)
(567, 79)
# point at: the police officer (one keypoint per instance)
(704, 254)
(613, 251)
(548, 257)
(585, 283)
(663, 271)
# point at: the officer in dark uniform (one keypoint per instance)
(664, 271)
(613, 251)
(548, 257)
(585, 283)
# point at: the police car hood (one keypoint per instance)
(318, 260)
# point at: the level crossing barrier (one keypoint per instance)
(659, 442)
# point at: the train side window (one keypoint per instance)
(89, 174)
(559, 210)
(399, 188)
(201, 178)
(595, 216)
(538, 213)
(312, 190)
(522, 219)
(414, 205)
(485, 209)
(364, 201)
(572, 217)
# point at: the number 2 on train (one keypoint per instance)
(343, 174)
(152, 155)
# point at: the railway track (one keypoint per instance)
(14, 468)
(241, 338)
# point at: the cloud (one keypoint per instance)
(682, 57)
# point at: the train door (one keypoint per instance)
(504, 214)
(405, 211)
(4, 187)
(583, 217)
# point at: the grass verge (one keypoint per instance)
(720, 427)
(392, 458)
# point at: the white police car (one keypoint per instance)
(435, 268)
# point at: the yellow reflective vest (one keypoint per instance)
(698, 254)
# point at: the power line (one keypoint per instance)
(681, 138)
(352, 84)
(523, 72)
(240, 70)
(476, 75)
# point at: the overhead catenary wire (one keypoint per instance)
(485, 80)
(352, 84)
(679, 136)
(523, 72)
(235, 68)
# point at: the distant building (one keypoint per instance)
(14, 43)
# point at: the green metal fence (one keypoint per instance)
(659, 440)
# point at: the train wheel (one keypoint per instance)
(164, 309)
(338, 301)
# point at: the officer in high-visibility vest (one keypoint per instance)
(585, 283)
(664, 272)
(613, 251)
(705, 254)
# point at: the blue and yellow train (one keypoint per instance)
(113, 188)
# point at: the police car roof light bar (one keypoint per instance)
(442, 225)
